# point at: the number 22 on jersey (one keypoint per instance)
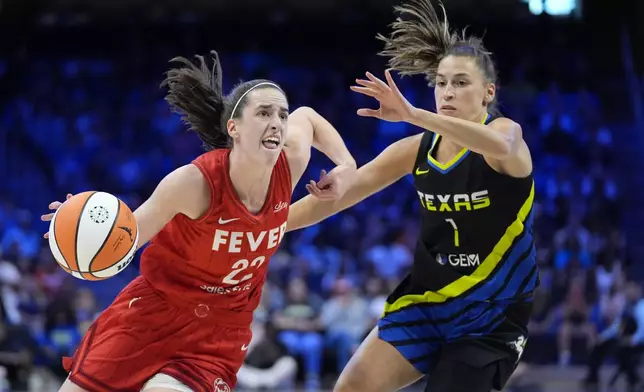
(239, 267)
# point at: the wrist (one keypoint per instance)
(415, 116)
(347, 162)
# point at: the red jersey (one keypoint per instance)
(220, 260)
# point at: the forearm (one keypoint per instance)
(471, 135)
(310, 210)
(328, 141)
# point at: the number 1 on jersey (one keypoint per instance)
(451, 222)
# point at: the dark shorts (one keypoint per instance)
(461, 345)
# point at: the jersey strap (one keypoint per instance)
(425, 144)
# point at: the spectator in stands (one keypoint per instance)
(15, 355)
(345, 317)
(625, 338)
(576, 320)
(267, 364)
(377, 294)
(10, 280)
(23, 236)
(299, 329)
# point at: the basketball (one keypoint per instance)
(93, 235)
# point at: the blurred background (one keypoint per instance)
(80, 109)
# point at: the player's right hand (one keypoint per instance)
(53, 206)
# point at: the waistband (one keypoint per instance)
(210, 312)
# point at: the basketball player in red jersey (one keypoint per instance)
(184, 324)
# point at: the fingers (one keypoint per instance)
(322, 174)
(390, 82)
(368, 84)
(325, 180)
(366, 91)
(369, 113)
(54, 205)
(322, 189)
(316, 191)
(382, 85)
(47, 217)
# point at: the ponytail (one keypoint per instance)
(195, 93)
(418, 43)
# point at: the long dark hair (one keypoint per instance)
(195, 92)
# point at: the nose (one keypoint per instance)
(276, 123)
(448, 93)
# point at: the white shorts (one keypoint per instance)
(161, 380)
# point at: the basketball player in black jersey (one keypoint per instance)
(460, 316)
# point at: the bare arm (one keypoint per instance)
(171, 198)
(307, 129)
(393, 163)
(168, 199)
(500, 142)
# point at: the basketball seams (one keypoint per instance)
(129, 255)
(118, 243)
(107, 237)
(77, 232)
(65, 244)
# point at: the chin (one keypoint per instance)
(270, 156)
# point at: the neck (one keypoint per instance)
(479, 118)
(250, 180)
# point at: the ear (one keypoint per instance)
(231, 128)
(490, 93)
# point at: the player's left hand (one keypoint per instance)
(333, 185)
(394, 106)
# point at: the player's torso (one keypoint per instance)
(222, 259)
(473, 221)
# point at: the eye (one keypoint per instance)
(461, 83)
(263, 113)
(440, 83)
(284, 116)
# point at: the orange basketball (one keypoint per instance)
(93, 235)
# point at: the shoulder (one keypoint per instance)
(211, 159)
(505, 125)
(189, 189)
(518, 161)
(187, 177)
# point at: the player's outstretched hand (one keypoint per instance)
(334, 184)
(394, 106)
(54, 205)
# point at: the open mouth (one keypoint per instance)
(271, 142)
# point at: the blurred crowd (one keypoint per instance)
(96, 122)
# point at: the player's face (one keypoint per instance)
(261, 131)
(461, 89)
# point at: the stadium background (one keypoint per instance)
(80, 109)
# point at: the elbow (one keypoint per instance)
(510, 143)
(305, 111)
